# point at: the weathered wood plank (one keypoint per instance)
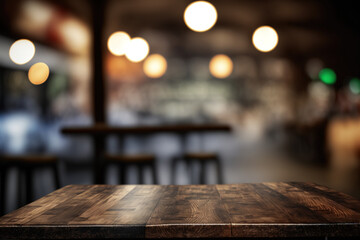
(255, 203)
(193, 211)
(63, 213)
(189, 212)
(37, 208)
(325, 207)
(338, 197)
(90, 212)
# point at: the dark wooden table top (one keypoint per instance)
(178, 128)
(187, 211)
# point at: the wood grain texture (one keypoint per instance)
(189, 212)
(258, 210)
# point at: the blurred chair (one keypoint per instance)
(2, 188)
(140, 161)
(203, 159)
(26, 166)
(192, 158)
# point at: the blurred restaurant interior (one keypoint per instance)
(280, 78)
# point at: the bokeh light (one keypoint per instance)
(22, 51)
(221, 66)
(137, 49)
(327, 75)
(38, 73)
(265, 39)
(319, 90)
(155, 66)
(75, 35)
(200, 16)
(313, 67)
(118, 42)
(354, 85)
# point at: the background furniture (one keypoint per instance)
(99, 132)
(200, 158)
(26, 166)
(140, 161)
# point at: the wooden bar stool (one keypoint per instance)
(203, 158)
(2, 188)
(140, 161)
(26, 165)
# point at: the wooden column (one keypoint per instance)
(98, 86)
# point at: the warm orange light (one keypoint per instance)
(155, 66)
(22, 51)
(200, 16)
(118, 42)
(75, 35)
(221, 66)
(38, 73)
(137, 49)
(265, 39)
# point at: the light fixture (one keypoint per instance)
(38, 73)
(155, 66)
(75, 35)
(22, 51)
(327, 75)
(354, 85)
(221, 66)
(118, 42)
(265, 39)
(137, 49)
(200, 16)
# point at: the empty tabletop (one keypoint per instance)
(186, 211)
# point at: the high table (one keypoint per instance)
(259, 210)
(100, 131)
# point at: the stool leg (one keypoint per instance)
(122, 174)
(2, 190)
(219, 170)
(191, 169)
(119, 173)
(202, 172)
(154, 173)
(55, 170)
(174, 164)
(20, 186)
(29, 185)
(140, 168)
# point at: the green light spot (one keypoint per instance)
(354, 85)
(327, 75)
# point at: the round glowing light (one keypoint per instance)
(74, 35)
(118, 42)
(200, 16)
(38, 73)
(155, 66)
(265, 39)
(313, 67)
(354, 85)
(22, 51)
(137, 49)
(327, 75)
(221, 66)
